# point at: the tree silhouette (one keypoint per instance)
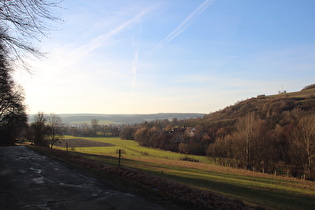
(12, 110)
(22, 22)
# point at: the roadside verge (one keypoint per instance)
(166, 192)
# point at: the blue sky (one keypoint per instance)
(152, 56)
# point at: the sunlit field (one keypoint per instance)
(130, 150)
(253, 187)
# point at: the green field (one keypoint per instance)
(252, 187)
(131, 150)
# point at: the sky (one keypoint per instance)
(170, 56)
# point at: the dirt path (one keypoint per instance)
(32, 181)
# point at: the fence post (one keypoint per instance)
(119, 157)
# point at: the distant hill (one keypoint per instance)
(267, 106)
(123, 118)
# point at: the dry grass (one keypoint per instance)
(252, 187)
(169, 193)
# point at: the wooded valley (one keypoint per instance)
(270, 134)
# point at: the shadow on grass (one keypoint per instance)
(279, 199)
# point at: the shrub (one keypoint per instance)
(189, 159)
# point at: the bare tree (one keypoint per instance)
(304, 142)
(95, 126)
(12, 109)
(246, 131)
(22, 22)
(54, 129)
(39, 129)
(127, 133)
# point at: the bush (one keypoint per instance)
(189, 159)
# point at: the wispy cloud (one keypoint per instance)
(82, 51)
(185, 23)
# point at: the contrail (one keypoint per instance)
(186, 23)
(135, 60)
(134, 69)
(99, 41)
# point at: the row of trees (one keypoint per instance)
(174, 136)
(280, 143)
(45, 130)
(13, 118)
(255, 144)
(95, 129)
(21, 22)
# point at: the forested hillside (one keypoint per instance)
(274, 134)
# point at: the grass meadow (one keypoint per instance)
(266, 190)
